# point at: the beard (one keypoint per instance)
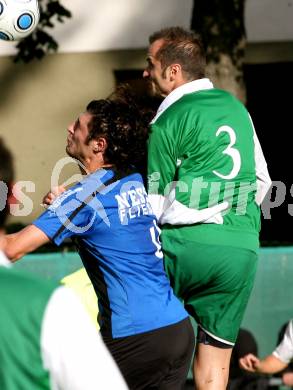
(155, 91)
(67, 149)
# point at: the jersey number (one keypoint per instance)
(230, 151)
(155, 235)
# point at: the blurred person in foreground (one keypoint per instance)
(203, 149)
(47, 340)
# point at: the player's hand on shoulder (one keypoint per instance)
(249, 362)
(52, 195)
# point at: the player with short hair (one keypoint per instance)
(47, 340)
(115, 229)
(203, 139)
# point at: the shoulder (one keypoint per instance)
(174, 118)
(34, 292)
(229, 99)
(15, 276)
(175, 110)
(65, 197)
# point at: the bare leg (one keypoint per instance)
(211, 367)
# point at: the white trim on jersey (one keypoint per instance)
(176, 213)
(263, 180)
(217, 338)
(72, 349)
(284, 350)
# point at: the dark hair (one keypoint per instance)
(124, 127)
(142, 98)
(181, 46)
(6, 176)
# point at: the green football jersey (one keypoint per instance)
(20, 331)
(202, 150)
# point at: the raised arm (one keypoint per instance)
(31, 237)
(26, 240)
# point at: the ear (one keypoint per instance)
(175, 71)
(99, 145)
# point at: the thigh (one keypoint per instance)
(155, 359)
(181, 362)
(214, 282)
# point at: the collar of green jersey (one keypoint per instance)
(192, 86)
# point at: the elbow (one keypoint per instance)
(11, 249)
(12, 254)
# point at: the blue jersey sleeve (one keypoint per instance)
(71, 214)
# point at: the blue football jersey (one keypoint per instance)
(117, 237)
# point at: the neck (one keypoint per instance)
(91, 166)
(181, 81)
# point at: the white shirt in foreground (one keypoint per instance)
(72, 349)
(284, 350)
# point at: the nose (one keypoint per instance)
(146, 74)
(70, 128)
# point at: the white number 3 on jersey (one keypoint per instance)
(230, 151)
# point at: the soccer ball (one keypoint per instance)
(18, 18)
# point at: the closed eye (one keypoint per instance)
(150, 64)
